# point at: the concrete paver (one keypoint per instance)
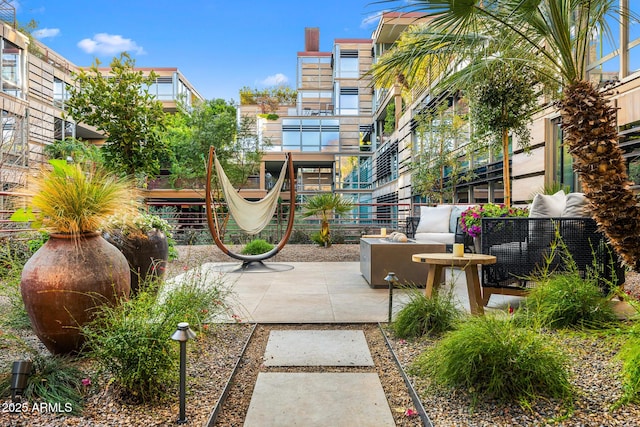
(317, 348)
(330, 399)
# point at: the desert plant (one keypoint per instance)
(257, 247)
(324, 205)
(492, 357)
(68, 199)
(54, 380)
(422, 315)
(132, 343)
(566, 300)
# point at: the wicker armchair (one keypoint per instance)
(522, 246)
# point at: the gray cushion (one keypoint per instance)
(576, 206)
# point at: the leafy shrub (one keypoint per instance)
(132, 342)
(318, 239)
(257, 247)
(565, 300)
(54, 380)
(422, 315)
(493, 357)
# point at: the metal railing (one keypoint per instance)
(189, 222)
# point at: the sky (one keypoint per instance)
(219, 46)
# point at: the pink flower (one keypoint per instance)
(510, 310)
(86, 382)
(410, 413)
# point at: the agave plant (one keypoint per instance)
(553, 39)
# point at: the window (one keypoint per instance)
(348, 101)
(63, 129)
(310, 135)
(13, 145)
(11, 69)
(354, 172)
(60, 92)
(347, 65)
(562, 160)
(162, 89)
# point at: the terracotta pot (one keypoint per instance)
(63, 283)
(147, 255)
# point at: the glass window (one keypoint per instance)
(11, 69)
(348, 101)
(563, 162)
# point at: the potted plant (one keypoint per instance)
(143, 238)
(76, 269)
(470, 219)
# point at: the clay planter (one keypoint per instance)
(147, 254)
(63, 283)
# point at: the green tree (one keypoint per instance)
(190, 133)
(213, 122)
(119, 104)
(326, 205)
(436, 169)
(553, 37)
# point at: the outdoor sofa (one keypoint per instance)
(439, 224)
(523, 245)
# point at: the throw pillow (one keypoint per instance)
(576, 206)
(434, 219)
(548, 206)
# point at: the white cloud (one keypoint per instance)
(43, 33)
(371, 20)
(275, 80)
(109, 44)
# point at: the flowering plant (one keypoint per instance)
(470, 219)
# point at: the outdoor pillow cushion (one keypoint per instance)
(576, 206)
(548, 206)
(434, 219)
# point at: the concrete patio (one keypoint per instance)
(320, 292)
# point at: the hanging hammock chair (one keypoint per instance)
(251, 216)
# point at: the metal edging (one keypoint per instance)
(414, 395)
(225, 393)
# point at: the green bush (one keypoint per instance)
(257, 247)
(132, 343)
(490, 357)
(54, 380)
(422, 315)
(565, 300)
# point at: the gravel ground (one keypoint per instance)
(213, 356)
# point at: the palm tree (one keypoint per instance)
(326, 204)
(553, 38)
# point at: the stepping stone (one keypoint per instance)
(317, 348)
(282, 399)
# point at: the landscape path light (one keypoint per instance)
(20, 372)
(392, 280)
(182, 335)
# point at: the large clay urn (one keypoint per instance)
(146, 253)
(64, 282)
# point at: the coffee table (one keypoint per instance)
(469, 263)
(380, 256)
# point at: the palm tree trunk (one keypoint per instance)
(590, 132)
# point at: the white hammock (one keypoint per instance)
(250, 216)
